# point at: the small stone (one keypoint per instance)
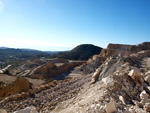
(101, 109)
(143, 95)
(93, 105)
(141, 89)
(37, 90)
(139, 110)
(108, 81)
(6, 99)
(111, 106)
(135, 75)
(122, 99)
(42, 87)
(147, 107)
(138, 85)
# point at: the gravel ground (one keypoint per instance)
(46, 100)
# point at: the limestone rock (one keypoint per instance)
(21, 84)
(135, 75)
(143, 95)
(147, 73)
(147, 79)
(95, 76)
(27, 110)
(111, 106)
(108, 81)
(147, 107)
(139, 110)
(122, 99)
(3, 111)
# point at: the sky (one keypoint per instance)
(56, 25)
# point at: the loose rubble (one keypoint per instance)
(120, 84)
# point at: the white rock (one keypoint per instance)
(147, 73)
(131, 110)
(93, 105)
(95, 76)
(30, 109)
(148, 87)
(143, 95)
(122, 99)
(101, 109)
(147, 79)
(140, 110)
(135, 74)
(111, 106)
(108, 81)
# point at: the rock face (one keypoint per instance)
(50, 70)
(125, 50)
(92, 64)
(113, 50)
(20, 85)
(127, 80)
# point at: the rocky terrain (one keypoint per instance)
(116, 80)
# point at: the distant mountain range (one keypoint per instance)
(81, 52)
(7, 53)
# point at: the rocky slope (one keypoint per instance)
(114, 82)
(113, 50)
(122, 87)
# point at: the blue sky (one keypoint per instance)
(64, 24)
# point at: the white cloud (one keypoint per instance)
(1, 6)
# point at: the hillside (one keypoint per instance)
(11, 53)
(81, 52)
(120, 84)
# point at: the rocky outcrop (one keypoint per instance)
(114, 50)
(108, 67)
(126, 83)
(30, 92)
(92, 64)
(20, 85)
(125, 50)
(50, 70)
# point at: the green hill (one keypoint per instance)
(81, 52)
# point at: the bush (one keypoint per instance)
(6, 72)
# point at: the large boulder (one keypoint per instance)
(18, 86)
(50, 70)
(108, 81)
(136, 75)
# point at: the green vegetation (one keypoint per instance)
(6, 72)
